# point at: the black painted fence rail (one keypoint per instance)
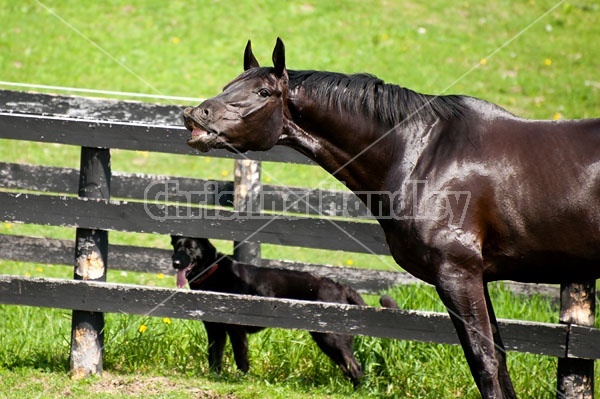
(539, 338)
(130, 186)
(101, 123)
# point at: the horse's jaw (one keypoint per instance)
(295, 137)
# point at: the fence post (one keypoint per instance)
(246, 198)
(91, 249)
(575, 377)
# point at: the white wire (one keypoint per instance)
(95, 91)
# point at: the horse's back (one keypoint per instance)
(531, 149)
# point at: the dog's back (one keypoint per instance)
(293, 284)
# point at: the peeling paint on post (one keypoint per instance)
(87, 359)
(89, 264)
(575, 377)
(91, 250)
(246, 199)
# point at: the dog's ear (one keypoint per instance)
(208, 249)
(204, 244)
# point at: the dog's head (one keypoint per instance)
(191, 256)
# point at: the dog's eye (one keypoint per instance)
(264, 93)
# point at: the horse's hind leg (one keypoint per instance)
(462, 291)
(505, 381)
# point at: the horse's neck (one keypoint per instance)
(359, 152)
(334, 157)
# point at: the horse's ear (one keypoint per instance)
(249, 59)
(279, 58)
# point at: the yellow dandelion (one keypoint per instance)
(547, 62)
(166, 320)
(142, 329)
(268, 179)
(483, 61)
(39, 269)
(385, 37)
(224, 173)
(145, 154)
(557, 116)
(160, 276)
(27, 274)
(349, 262)
(7, 225)
(175, 40)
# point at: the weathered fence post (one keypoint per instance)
(91, 249)
(575, 377)
(246, 199)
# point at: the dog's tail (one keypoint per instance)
(354, 298)
(387, 301)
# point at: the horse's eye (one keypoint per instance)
(264, 93)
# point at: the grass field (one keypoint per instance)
(512, 53)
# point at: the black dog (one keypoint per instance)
(198, 262)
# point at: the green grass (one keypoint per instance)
(284, 362)
(542, 70)
(192, 50)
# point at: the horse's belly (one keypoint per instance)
(546, 267)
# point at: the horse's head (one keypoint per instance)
(248, 114)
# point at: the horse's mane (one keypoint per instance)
(367, 94)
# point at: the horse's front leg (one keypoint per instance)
(462, 290)
(505, 381)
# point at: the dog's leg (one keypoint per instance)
(239, 342)
(339, 349)
(217, 336)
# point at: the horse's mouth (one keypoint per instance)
(205, 139)
(197, 129)
(201, 138)
(199, 134)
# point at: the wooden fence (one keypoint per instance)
(95, 200)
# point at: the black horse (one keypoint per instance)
(533, 209)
